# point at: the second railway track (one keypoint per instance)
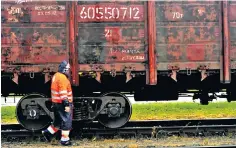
(140, 128)
(149, 123)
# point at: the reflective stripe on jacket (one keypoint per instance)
(61, 88)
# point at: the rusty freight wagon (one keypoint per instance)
(154, 50)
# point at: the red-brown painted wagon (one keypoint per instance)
(154, 50)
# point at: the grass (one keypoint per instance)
(161, 111)
(8, 114)
(173, 141)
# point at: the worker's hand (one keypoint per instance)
(67, 109)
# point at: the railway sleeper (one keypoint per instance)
(137, 132)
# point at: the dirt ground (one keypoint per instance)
(173, 141)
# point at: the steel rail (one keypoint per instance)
(146, 123)
(135, 131)
(220, 146)
(206, 130)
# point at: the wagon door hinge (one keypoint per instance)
(128, 70)
(47, 76)
(99, 70)
(113, 72)
(203, 70)
(16, 76)
(173, 72)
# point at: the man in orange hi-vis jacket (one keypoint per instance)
(62, 99)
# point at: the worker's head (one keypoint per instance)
(64, 68)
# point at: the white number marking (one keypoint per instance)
(125, 9)
(136, 14)
(177, 15)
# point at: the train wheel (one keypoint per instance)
(30, 112)
(116, 122)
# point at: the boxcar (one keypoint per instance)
(154, 50)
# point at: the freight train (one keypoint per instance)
(154, 50)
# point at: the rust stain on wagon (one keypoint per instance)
(193, 50)
(188, 31)
(191, 33)
(37, 34)
(108, 12)
(113, 39)
(186, 11)
(232, 27)
(11, 13)
(30, 38)
(113, 32)
(33, 12)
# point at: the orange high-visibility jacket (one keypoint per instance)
(61, 88)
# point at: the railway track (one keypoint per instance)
(95, 124)
(153, 128)
(147, 123)
(137, 129)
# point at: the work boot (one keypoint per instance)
(47, 135)
(66, 143)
